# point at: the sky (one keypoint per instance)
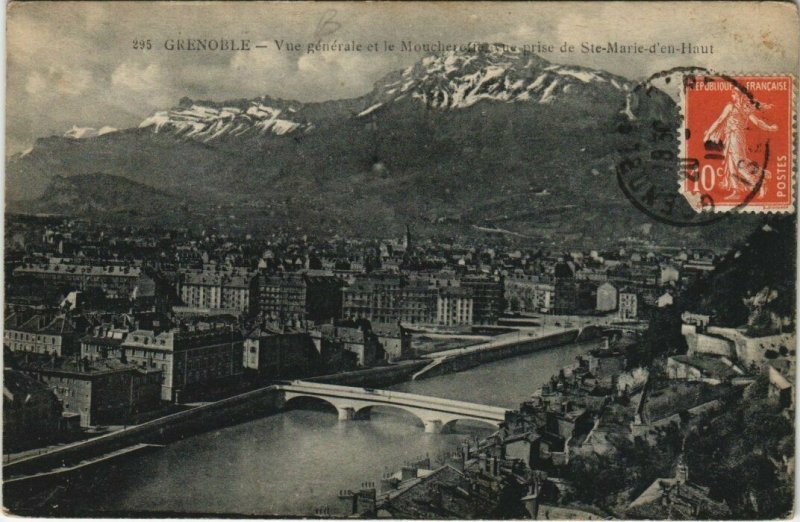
(73, 63)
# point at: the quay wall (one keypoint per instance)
(373, 377)
(470, 359)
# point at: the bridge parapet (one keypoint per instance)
(379, 396)
(434, 412)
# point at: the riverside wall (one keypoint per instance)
(470, 359)
(162, 430)
(373, 377)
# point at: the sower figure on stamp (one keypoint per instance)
(740, 174)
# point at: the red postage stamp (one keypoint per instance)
(737, 143)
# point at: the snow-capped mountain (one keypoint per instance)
(446, 81)
(207, 122)
(457, 80)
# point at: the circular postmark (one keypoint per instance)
(653, 170)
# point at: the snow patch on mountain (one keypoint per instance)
(369, 109)
(584, 76)
(547, 95)
(87, 132)
(628, 110)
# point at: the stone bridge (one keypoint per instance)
(354, 403)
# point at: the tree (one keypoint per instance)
(662, 337)
(735, 455)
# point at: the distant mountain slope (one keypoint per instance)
(101, 194)
(496, 140)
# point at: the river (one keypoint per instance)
(297, 461)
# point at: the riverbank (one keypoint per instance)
(504, 347)
(63, 471)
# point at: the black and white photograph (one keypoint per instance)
(409, 260)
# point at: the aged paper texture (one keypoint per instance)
(450, 260)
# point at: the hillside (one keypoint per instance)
(753, 283)
(103, 196)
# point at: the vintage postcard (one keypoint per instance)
(414, 260)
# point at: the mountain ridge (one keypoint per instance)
(445, 81)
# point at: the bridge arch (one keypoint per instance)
(297, 398)
(365, 410)
(347, 409)
(451, 424)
